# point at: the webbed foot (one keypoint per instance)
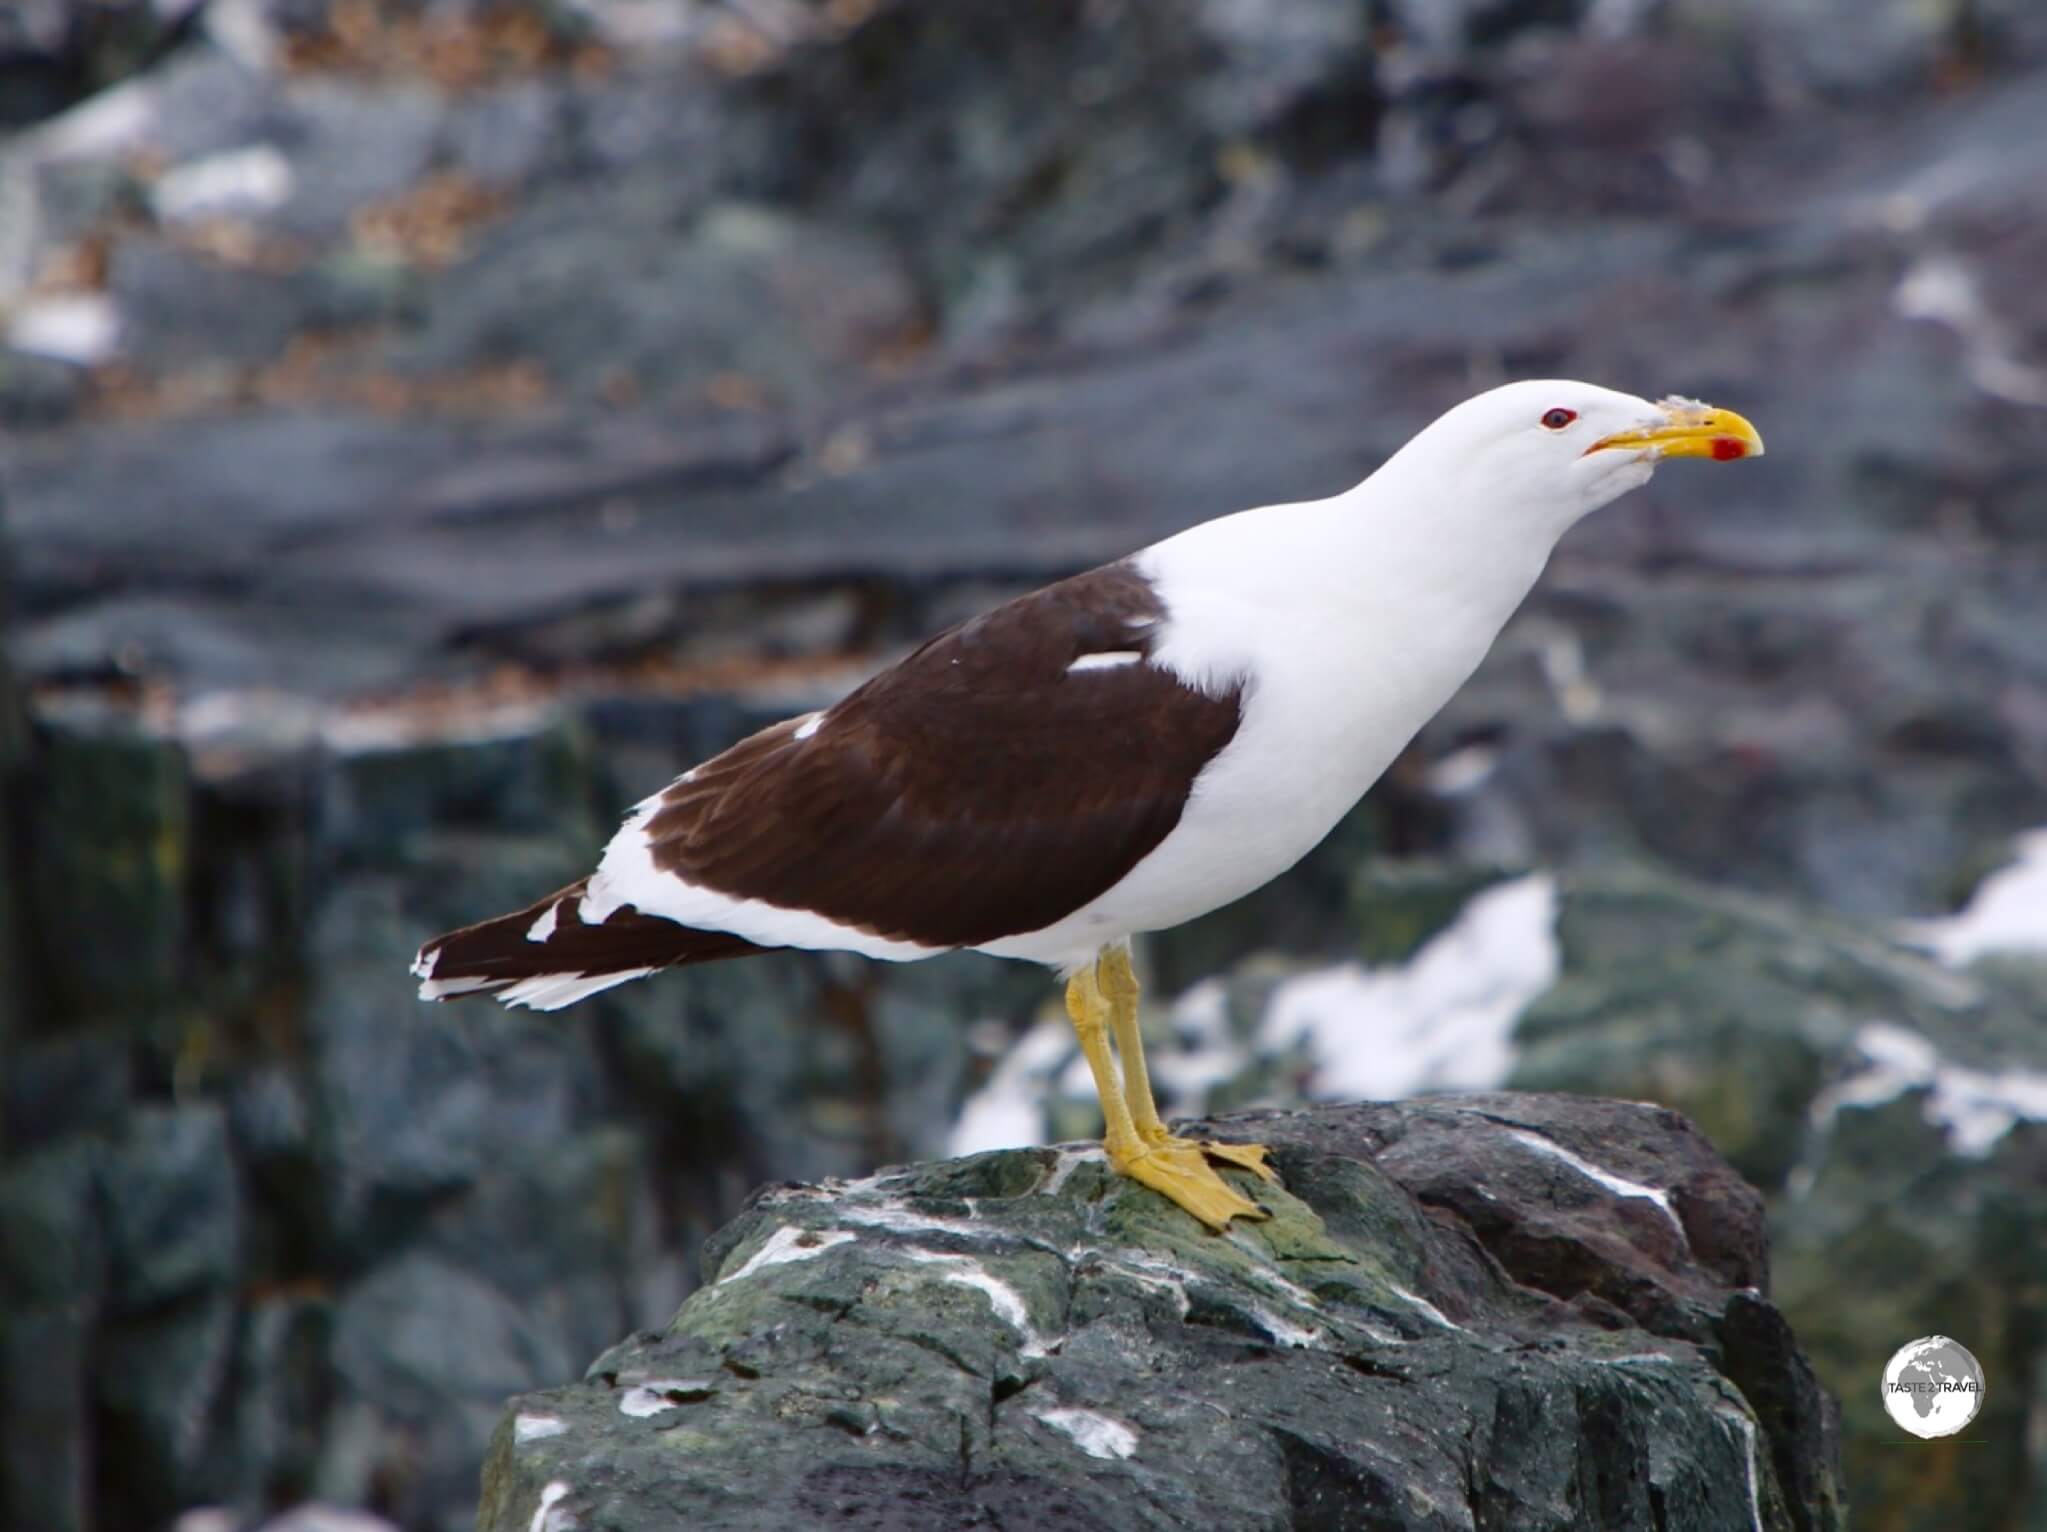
(1180, 1172)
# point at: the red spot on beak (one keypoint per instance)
(1726, 449)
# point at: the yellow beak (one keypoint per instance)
(1692, 430)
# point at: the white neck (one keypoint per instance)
(1346, 623)
(1388, 571)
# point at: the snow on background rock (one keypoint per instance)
(1444, 1020)
(1975, 1107)
(2006, 914)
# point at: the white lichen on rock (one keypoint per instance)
(1099, 1436)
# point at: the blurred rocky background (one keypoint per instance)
(426, 425)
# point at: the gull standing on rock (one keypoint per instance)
(1118, 752)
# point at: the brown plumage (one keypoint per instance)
(972, 792)
(976, 790)
(498, 953)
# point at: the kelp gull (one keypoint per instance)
(1118, 752)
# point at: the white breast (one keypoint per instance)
(1342, 664)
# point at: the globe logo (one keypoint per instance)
(1933, 1386)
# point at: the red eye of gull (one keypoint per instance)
(1557, 419)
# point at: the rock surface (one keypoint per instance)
(362, 580)
(14, 738)
(1892, 1108)
(1504, 1311)
(272, 1230)
(1816, 678)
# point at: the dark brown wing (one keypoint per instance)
(494, 955)
(977, 790)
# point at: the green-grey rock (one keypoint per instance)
(1501, 1311)
(171, 1207)
(1892, 1109)
(45, 1409)
(108, 853)
(13, 775)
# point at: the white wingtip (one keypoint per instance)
(448, 989)
(554, 991)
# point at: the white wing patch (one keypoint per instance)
(627, 875)
(809, 726)
(1108, 661)
(543, 928)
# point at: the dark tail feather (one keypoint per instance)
(546, 958)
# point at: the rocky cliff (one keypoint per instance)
(1514, 1312)
(426, 425)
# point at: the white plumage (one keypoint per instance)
(1180, 727)
(1342, 625)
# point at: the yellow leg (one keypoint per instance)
(1175, 1170)
(1119, 987)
